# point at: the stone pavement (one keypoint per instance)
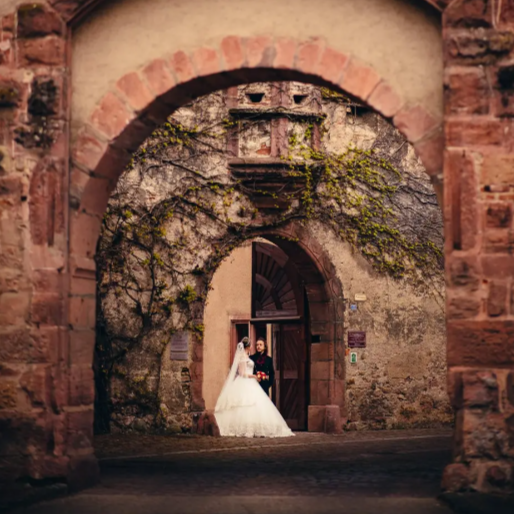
(366, 472)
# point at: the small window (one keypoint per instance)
(299, 99)
(357, 110)
(255, 98)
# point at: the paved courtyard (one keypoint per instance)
(365, 472)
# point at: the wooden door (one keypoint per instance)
(292, 365)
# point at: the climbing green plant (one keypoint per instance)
(177, 213)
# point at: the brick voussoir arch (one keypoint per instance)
(141, 100)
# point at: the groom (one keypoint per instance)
(264, 364)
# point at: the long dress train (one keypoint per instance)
(243, 409)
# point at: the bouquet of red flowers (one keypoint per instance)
(262, 376)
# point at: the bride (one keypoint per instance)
(243, 409)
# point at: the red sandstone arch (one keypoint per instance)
(142, 99)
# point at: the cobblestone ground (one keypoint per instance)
(357, 472)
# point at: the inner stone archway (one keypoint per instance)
(324, 390)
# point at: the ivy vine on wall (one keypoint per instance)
(177, 213)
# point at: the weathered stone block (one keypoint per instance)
(159, 77)
(499, 215)
(316, 418)
(47, 309)
(82, 343)
(82, 312)
(46, 207)
(483, 435)
(474, 132)
(8, 394)
(497, 168)
(464, 273)
(497, 299)
(14, 308)
(81, 385)
(497, 241)
(47, 280)
(385, 100)
(136, 92)
(111, 116)
(431, 152)
(359, 80)
(415, 122)
(498, 266)
(480, 389)
(479, 46)
(499, 475)
(333, 419)
(320, 394)
(37, 383)
(486, 343)
(84, 234)
(79, 430)
(36, 20)
(464, 307)
(455, 478)
(308, 55)
(233, 52)
(469, 14)
(10, 93)
(285, 51)
(466, 91)
(320, 352)
(321, 370)
(48, 51)
(331, 67)
(182, 66)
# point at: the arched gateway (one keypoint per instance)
(388, 56)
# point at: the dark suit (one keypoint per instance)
(264, 363)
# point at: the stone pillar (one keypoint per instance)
(46, 391)
(479, 194)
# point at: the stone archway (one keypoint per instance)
(326, 408)
(37, 309)
(142, 99)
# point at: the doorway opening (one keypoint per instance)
(279, 314)
(272, 288)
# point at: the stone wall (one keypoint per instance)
(48, 275)
(398, 380)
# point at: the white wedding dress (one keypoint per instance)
(243, 409)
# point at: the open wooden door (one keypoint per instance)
(278, 300)
(293, 364)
